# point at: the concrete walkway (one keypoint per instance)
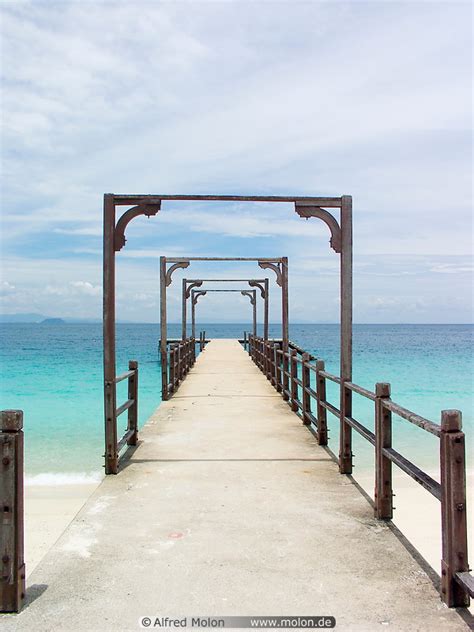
(228, 507)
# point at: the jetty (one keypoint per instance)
(229, 505)
(231, 501)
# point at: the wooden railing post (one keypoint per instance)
(278, 359)
(133, 394)
(453, 508)
(179, 372)
(293, 382)
(306, 381)
(245, 340)
(274, 365)
(321, 397)
(345, 430)
(12, 580)
(285, 378)
(203, 339)
(268, 360)
(383, 508)
(172, 367)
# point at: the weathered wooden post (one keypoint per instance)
(110, 398)
(284, 324)
(453, 508)
(279, 382)
(383, 508)
(321, 397)
(268, 360)
(306, 381)
(173, 366)
(265, 309)
(345, 433)
(204, 339)
(254, 312)
(163, 328)
(294, 383)
(133, 410)
(183, 309)
(274, 365)
(12, 585)
(245, 340)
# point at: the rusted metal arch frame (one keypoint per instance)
(189, 284)
(195, 294)
(149, 205)
(278, 264)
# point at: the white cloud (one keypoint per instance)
(311, 98)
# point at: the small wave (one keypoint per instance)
(63, 478)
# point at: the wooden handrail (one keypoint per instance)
(281, 367)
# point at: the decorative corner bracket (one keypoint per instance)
(307, 211)
(196, 295)
(250, 294)
(191, 286)
(272, 266)
(171, 269)
(149, 209)
(260, 287)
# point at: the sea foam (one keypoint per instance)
(63, 478)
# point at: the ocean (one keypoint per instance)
(53, 372)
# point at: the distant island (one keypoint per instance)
(53, 321)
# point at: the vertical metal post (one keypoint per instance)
(321, 397)
(183, 311)
(306, 381)
(110, 399)
(12, 579)
(453, 508)
(193, 317)
(345, 440)
(265, 310)
(133, 410)
(383, 508)
(163, 331)
(245, 340)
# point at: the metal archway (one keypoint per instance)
(306, 207)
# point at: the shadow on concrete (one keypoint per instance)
(33, 592)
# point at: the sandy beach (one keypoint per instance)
(48, 511)
(417, 514)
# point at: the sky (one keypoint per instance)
(369, 99)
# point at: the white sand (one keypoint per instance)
(417, 513)
(48, 511)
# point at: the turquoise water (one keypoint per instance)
(54, 373)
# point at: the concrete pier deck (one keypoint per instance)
(228, 507)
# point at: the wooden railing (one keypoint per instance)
(301, 379)
(181, 357)
(113, 445)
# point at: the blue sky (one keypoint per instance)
(367, 99)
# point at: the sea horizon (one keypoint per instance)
(54, 374)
